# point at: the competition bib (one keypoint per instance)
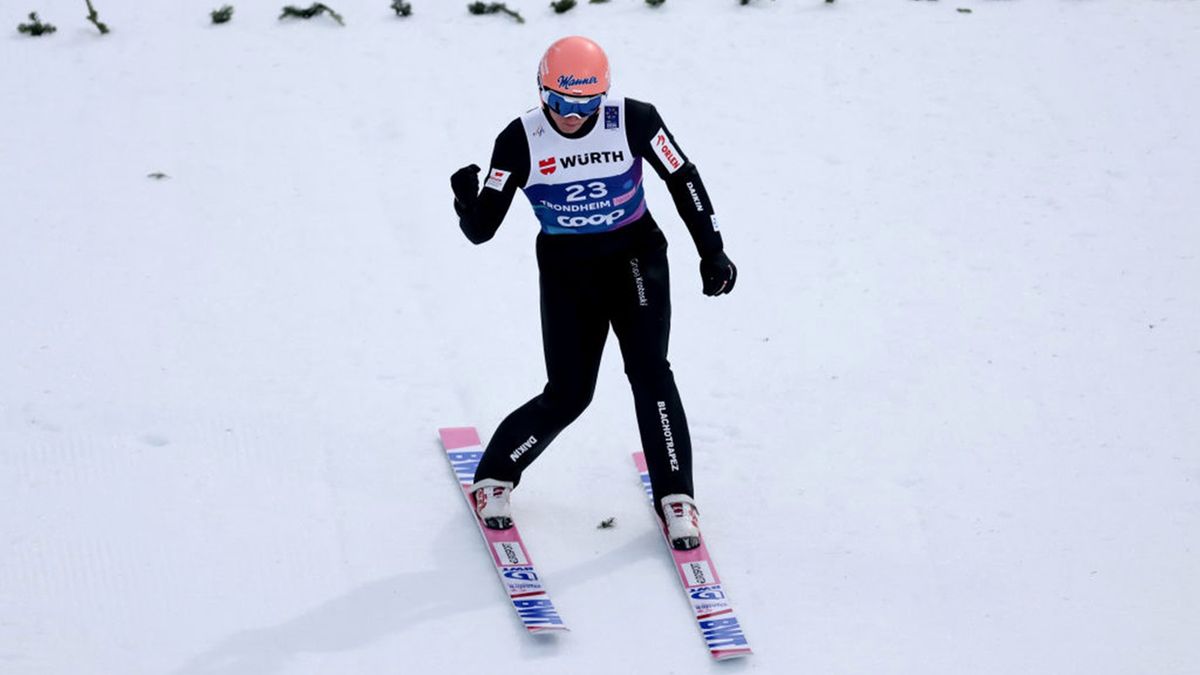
(584, 185)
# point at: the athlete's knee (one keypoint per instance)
(649, 373)
(567, 404)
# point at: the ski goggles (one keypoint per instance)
(567, 106)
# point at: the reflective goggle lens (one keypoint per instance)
(579, 106)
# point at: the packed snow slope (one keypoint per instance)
(946, 423)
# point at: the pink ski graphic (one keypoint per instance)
(714, 614)
(511, 558)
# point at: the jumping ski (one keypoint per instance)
(714, 614)
(520, 578)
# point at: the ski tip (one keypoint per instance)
(727, 654)
(458, 437)
(639, 459)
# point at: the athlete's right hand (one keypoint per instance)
(465, 183)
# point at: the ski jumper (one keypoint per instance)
(602, 261)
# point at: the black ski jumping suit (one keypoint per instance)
(602, 261)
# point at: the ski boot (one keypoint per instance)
(492, 503)
(683, 521)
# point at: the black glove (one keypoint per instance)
(465, 183)
(718, 273)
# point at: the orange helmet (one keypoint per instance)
(575, 66)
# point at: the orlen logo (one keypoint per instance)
(547, 166)
(569, 81)
(608, 219)
(664, 148)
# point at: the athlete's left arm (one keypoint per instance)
(650, 139)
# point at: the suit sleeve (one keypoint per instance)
(481, 217)
(650, 139)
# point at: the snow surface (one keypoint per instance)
(947, 422)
